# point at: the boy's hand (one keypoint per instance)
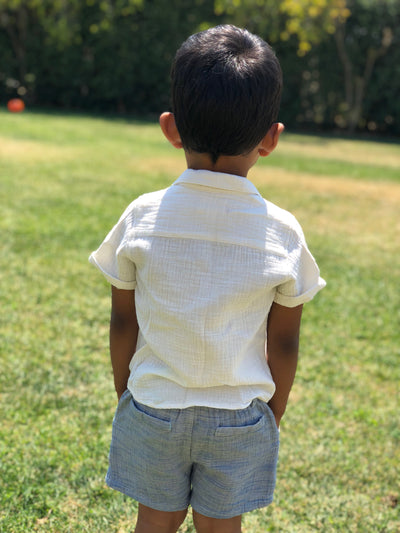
(283, 332)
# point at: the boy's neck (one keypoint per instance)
(238, 165)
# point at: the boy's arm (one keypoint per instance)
(283, 332)
(123, 335)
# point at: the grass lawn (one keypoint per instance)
(64, 181)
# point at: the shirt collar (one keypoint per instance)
(217, 180)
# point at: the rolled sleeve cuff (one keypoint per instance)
(118, 283)
(294, 301)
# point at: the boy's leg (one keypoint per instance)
(153, 521)
(205, 524)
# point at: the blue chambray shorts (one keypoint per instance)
(222, 462)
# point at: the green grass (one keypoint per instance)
(64, 181)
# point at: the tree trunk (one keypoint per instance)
(17, 29)
(355, 86)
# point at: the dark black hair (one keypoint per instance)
(226, 90)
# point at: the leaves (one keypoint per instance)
(308, 20)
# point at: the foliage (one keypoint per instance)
(358, 89)
(341, 79)
(64, 181)
(95, 54)
(308, 20)
(340, 58)
(360, 46)
(60, 22)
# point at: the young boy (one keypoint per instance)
(208, 281)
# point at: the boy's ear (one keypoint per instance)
(269, 142)
(169, 129)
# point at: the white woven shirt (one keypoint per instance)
(207, 257)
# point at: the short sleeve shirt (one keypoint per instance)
(206, 257)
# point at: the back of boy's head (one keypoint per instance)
(226, 89)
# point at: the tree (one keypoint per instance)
(40, 24)
(308, 20)
(363, 32)
(361, 41)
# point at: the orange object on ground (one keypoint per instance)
(15, 105)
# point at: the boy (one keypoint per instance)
(205, 275)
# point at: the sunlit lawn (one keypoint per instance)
(64, 181)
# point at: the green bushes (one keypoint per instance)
(102, 56)
(115, 55)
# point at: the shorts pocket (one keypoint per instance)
(156, 418)
(231, 431)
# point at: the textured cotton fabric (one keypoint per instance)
(207, 257)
